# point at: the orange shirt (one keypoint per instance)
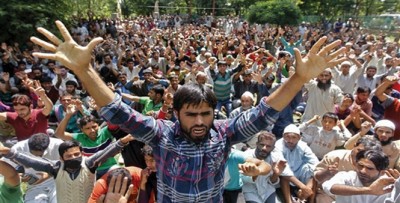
(100, 187)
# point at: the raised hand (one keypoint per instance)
(117, 191)
(394, 173)
(21, 75)
(5, 76)
(68, 52)
(71, 109)
(318, 59)
(333, 168)
(37, 88)
(257, 77)
(278, 167)
(382, 185)
(365, 127)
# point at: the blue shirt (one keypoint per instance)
(233, 181)
(299, 156)
(189, 172)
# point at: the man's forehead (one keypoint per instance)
(366, 162)
(193, 107)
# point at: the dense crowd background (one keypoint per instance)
(147, 60)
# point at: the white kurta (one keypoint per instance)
(321, 101)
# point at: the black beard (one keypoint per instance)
(186, 134)
(384, 143)
(324, 86)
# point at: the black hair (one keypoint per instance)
(71, 82)
(194, 94)
(380, 160)
(45, 79)
(348, 95)
(120, 171)
(364, 89)
(51, 61)
(105, 55)
(39, 142)
(85, 120)
(369, 143)
(37, 68)
(331, 115)
(158, 89)
(67, 145)
(266, 135)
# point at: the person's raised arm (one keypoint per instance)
(77, 58)
(11, 176)
(380, 90)
(41, 93)
(62, 126)
(350, 143)
(34, 162)
(317, 60)
(111, 150)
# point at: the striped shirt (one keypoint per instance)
(189, 172)
(223, 83)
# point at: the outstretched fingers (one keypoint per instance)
(94, 42)
(45, 55)
(129, 191)
(297, 55)
(64, 31)
(112, 184)
(335, 54)
(54, 39)
(333, 63)
(45, 45)
(315, 48)
(325, 51)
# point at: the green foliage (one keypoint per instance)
(140, 7)
(19, 20)
(279, 12)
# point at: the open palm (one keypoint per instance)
(318, 59)
(69, 53)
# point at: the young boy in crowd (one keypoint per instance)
(324, 139)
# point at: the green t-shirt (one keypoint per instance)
(90, 147)
(149, 105)
(9, 193)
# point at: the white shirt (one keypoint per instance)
(350, 178)
(260, 189)
(51, 153)
(321, 101)
(346, 83)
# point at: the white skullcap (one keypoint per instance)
(292, 129)
(385, 123)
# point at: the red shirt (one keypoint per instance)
(37, 123)
(392, 113)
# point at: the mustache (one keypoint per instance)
(199, 126)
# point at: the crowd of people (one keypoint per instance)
(218, 110)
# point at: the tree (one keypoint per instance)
(19, 19)
(279, 12)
